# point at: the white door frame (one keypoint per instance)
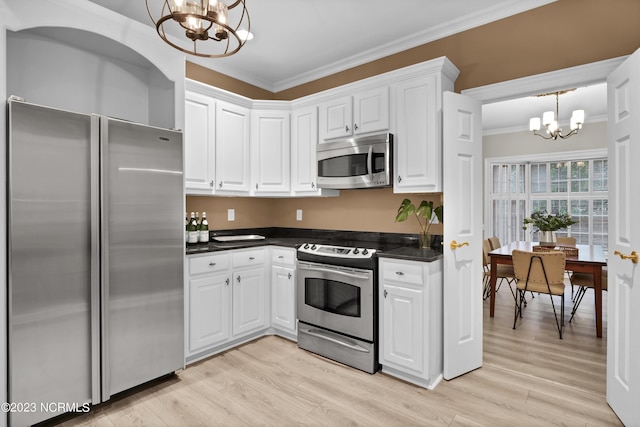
(581, 75)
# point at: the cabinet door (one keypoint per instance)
(249, 301)
(403, 328)
(232, 148)
(270, 151)
(304, 139)
(283, 309)
(208, 311)
(336, 118)
(199, 143)
(417, 139)
(371, 111)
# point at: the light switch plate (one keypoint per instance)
(231, 214)
(299, 215)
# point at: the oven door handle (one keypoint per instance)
(352, 275)
(340, 341)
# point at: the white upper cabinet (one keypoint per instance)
(416, 104)
(270, 151)
(363, 112)
(371, 111)
(304, 139)
(417, 142)
(232, 149)
(199, 137)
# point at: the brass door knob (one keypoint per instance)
(633, 256)
(455, 245)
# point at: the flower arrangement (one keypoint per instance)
(544, 221)
(426, 211)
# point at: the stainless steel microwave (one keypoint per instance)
(360, 162)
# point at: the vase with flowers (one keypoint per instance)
(548, 224)
(426, 214)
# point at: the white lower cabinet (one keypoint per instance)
(209, 302)
(411, 320)
(283, 288)
(230, 298)
(249, 300)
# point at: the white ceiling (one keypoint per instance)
(297, 41)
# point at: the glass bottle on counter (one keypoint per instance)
(193, 230)
(203, 229)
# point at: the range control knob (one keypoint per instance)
(313, 247)
(356, 251)
(365, 252)
(306, 246)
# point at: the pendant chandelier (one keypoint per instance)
(206, 25)
(550, 121)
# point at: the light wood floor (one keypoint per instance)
(529, 378)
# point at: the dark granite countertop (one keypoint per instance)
(389, 245)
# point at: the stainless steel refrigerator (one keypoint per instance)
(96, 247)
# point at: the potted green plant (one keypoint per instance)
(548, 224)
(426, 214)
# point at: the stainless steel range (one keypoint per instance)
(337, 304)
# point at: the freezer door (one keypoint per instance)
(52, 262)
(143, 252)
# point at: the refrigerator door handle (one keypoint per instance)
(96, 345)
(104, 237)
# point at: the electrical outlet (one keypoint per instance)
(231, 214)
(299, 215)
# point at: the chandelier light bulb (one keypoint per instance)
(547, 118)
(534, 123)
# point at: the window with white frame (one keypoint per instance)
(519, 187)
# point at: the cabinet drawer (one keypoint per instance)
(283, 256)
(248, 258)
(208, 264)
(403, 272)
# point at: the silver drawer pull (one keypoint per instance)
(251, 258)
(399, 273)
(281, 257)
(212, 264)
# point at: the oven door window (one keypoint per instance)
(343, 166)
(332, 296)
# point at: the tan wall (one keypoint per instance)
(562, 34)
(357, 210)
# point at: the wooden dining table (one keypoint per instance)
(590, 260)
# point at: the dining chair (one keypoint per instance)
(584, 281)
(503, 272)
(494, 241)
(541, 272)
(568, 241)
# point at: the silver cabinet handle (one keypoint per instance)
(256, 185)
(289, 276)
(212, 264)
(238, 279)
(313, 185)
(227, 281)
(211, 184)
(399, 178)
(220, 185)
(385, 293)
(355, 126)
(251, 258)
(399, 273)
(281, 257)
(346, 128)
